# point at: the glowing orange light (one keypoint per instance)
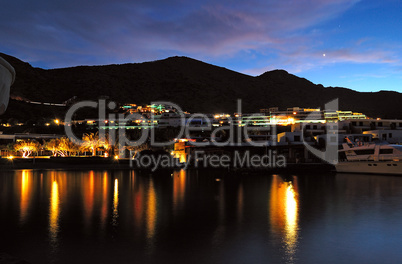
(54, 213)
(151, 212)
(115, 202)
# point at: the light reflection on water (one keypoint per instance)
(291, 226)
(284, 214)
(124, 216)
(179, 191)
(151, 213)
(104, 202)
(115, 203)
(88, 192)
(219, 234)
(25, 194)
(54, 212)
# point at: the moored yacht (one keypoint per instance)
(370, 157)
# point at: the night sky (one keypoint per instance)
(348, 43)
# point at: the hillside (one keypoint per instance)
(194, 85)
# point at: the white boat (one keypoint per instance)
(369, 157)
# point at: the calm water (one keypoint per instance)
(199, 217)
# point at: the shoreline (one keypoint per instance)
(101, 163)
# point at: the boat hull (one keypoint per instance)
(370, 167)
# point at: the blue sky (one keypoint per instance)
(348, 43)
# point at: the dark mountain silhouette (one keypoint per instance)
(193, 85)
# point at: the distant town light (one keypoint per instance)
(10, 157)
(57, 121)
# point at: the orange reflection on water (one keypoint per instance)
(88, 190)
(104, 210)
(179, 190)
(54, 212)
(151, 213)
(138, 198)
(115, 203)
(26, 186)
(284, 213)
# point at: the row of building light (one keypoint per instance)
(266, 117)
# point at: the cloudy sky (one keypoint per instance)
(349, 43)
